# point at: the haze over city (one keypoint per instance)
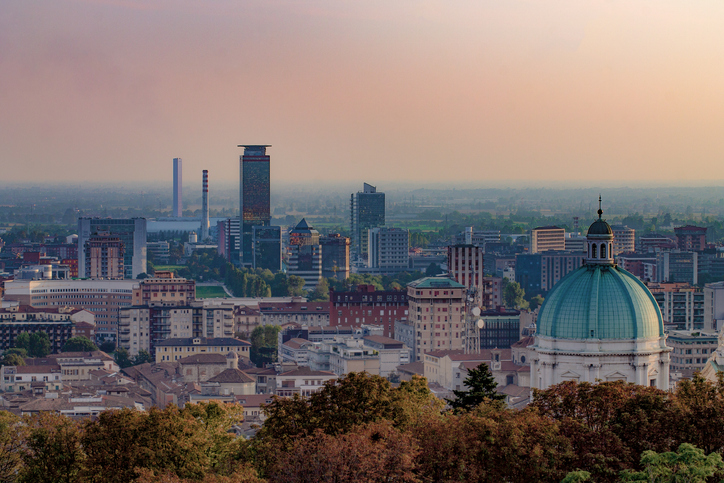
(415, 91)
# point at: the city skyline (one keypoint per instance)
(97, 90)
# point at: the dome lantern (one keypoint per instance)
(599, 241)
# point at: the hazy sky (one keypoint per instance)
(363, 90)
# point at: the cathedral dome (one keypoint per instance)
(600, 227)
(600, 302)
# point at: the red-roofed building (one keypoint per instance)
(305, 313)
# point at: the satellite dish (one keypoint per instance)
(481, 324)
(476, 311)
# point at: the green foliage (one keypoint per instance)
(12, 435)
(14, 357)
(481, 384)
(320, 292)
(688, 463)
(122, 358)
(295, 286)
(264, 343)
(79, 344)
(513, 295)
(36, 344)
(107, 346)
(433, 269)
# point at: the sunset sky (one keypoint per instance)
(363, 90)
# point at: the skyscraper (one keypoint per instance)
(367, 210)
(254, 202)
(177, 201)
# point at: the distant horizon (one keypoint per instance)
(579, 93)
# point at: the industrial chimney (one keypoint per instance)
(205, 207)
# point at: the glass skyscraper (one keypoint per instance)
(254, 197)
(367, 210)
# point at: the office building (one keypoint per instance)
(254, 197)
(305, 254)
(436, 307)
(266, 244)
(103, 298)
(160, 251)
(677, 266)
(624, 239)
(131, 231)
(691, 350)
(177, 209)
(465, 265)
(367, 210)
(654, 243)
(545, 238)
(714, 306)
(229, 239)
(690, 238)
(388, 250)
(478, 238)
(501, 328)
(681, 305)
(538, 273)
(641, 265)
(335, 256)
(104, 257)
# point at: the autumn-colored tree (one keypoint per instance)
(53, 451)
(492, 444)
(12, 436)
(121, 442)
(702, 412)
(373, 453)
(597, 419)
(215, 421)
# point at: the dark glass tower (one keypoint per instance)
(367, 210)
(254, 199)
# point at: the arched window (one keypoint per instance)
(603, 250)
(593, 251)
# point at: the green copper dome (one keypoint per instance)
(600, 302)
(600, 227)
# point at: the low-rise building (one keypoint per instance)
(305, 313)
(392, 353)
(21, 378)
(178, 348)
(303, 381)
(365, 305)
(691, 350)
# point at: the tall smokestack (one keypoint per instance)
(177, 209)
(205, 207)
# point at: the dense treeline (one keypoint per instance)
(362, 429)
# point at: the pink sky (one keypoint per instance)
(358, 90)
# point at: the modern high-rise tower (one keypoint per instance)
(177, 201)
(254, 196)
(205, 206)
(131, 231)
(367, 210)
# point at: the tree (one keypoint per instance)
(373, 453)
(295, 285)
(320, 292)
(513, 295)
(264, 344)
(142, 357)
(36, 344)
(12, 440)
(689, 464)
(123, 359)
(14, 357)
(536, 302)
(433, 269)
(481, 384)
(53, 452)
(79, 344)
(107, 346)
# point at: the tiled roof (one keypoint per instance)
(203, 359)
(380, 339)
(232, 376)
(417, 367)
(306, 371)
